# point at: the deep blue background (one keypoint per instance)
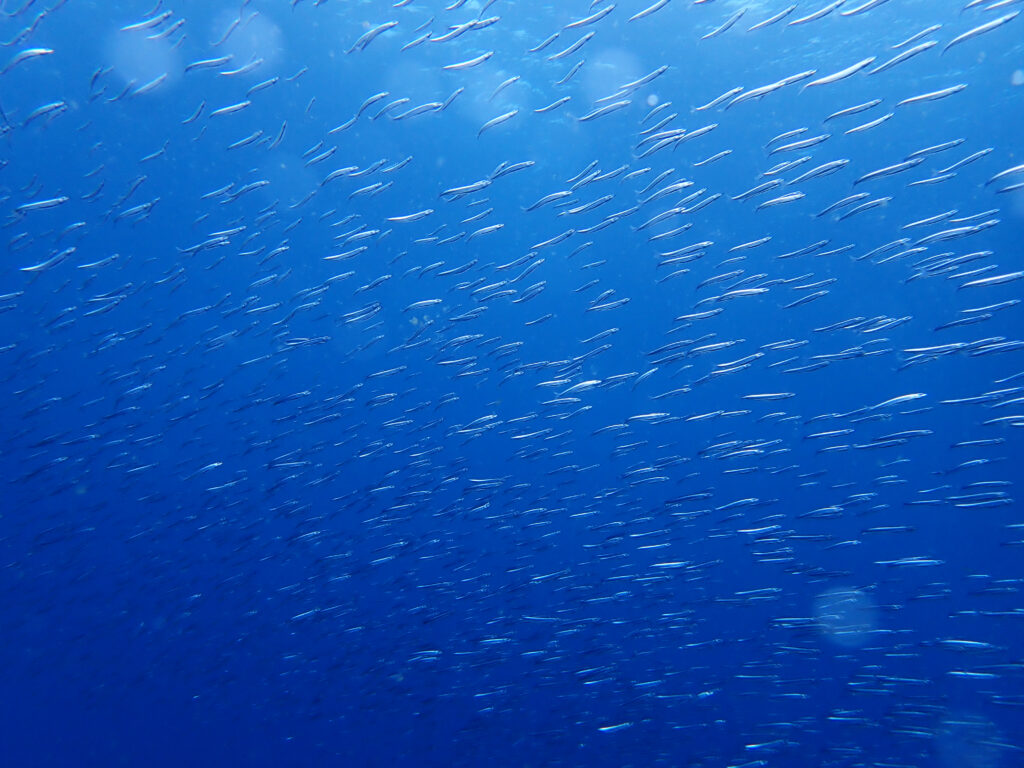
(223, 545)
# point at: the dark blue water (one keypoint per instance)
(319, 448)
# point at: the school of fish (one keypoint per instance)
(607, 382)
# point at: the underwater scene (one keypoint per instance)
(512, 383)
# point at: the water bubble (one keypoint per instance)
(846, 616)
(968, 741)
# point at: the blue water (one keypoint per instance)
(308, 461)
